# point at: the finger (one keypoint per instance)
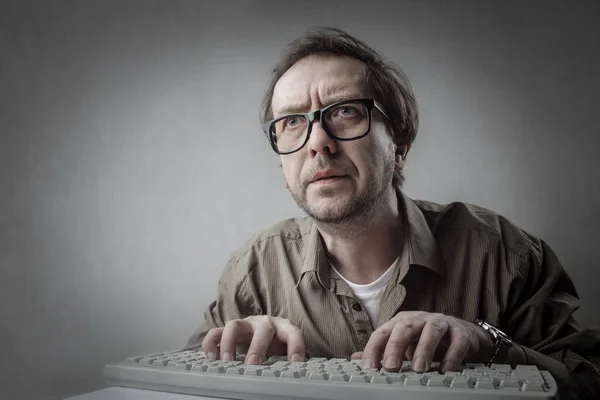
(264, 332)
(210, 344)
(400, 339)
(293, 338)
(371, 356)
(357, 355)
(433, 332)
(460, 344)
(235, 331)
(409, 354)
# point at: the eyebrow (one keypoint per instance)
(295, 108)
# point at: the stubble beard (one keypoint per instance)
(354, 213)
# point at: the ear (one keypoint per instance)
(403, 150)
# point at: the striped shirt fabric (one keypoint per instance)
(458, 259)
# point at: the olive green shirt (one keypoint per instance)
(458, 259)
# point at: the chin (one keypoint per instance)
(331, 211)
(328, 206)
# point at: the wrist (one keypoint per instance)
(501, 345)
(516, 355)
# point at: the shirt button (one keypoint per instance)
(356, 307)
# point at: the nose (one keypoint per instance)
(319, 142)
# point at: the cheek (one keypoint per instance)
(291, 169)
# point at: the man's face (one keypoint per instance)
(364, 167)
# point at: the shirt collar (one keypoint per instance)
(315, 256)
(419, 243)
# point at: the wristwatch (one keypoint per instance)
(501, 341)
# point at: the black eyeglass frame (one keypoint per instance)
(317, 115)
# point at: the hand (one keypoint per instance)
(421, 336)
(262, 335)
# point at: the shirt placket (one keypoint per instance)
(354, 311)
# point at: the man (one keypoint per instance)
(371, 273)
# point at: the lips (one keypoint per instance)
(326, 174)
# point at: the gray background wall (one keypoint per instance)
(132, 163)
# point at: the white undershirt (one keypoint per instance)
(370, 295)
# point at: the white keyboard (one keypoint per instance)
(190, 372)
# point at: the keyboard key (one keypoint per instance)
(253, 371)
(436, 381)
(370, 371)
(501, 367)
(359, 378)
(293, 373)
(461, 382)
(485, 383)
(274, 359)
(528, 368)
(533, 385)
(216, 369)
(235, 371)
(271, 373)
(338, 377)
(396, 377)
(510, 383)
(318, 376)
(297, 364)
(415, 380)
(183, 366)
(381, 379)
(281, 364)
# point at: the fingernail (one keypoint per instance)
(226, 356)
(252, 359)
(297, 357)
(418, 364)
(367, 363)
(391, 362)
(447, 366)
(211, 355)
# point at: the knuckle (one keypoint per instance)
(270, 328)
(465, 338)
(233, 324)
(383, 331)
(409, 324)
(438, 324)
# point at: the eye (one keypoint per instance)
(292, 121)
(347, 110)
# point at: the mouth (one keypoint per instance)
(328, 180)
(327, 176)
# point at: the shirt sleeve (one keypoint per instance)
(541, 322)
(236, 299)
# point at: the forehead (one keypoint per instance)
(319, 80)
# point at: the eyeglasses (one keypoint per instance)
(345, 120)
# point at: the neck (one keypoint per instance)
(363, 248)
